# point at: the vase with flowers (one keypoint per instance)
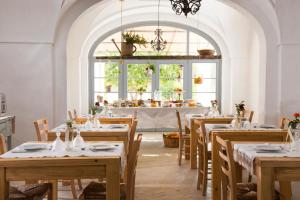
(214, 109)
(240, 109)
(128, 47)
(294, 131)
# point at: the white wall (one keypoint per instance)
(33, 36)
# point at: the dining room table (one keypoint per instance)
(191, 128)
(33, 161)
(94, 132)
(107, 119)
(260, 135)
(270, 162)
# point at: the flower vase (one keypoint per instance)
(237, 122)
(295, 138)
(68, 142)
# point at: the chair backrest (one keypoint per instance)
(202, 139)
(179, 123)
(73, 115)
(134, 115)
(248, 114)
(3, 147)
(131, 170)
(283, 123)
(227, 169)
(132, 135)
(42, 129)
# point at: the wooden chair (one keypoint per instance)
(184, 140)
(248, 114)
(42, 129)
(98, 190)
(230, 188)
(204, 157)
(132, 136)
(27, 192)
(283, 123)
(72, 116)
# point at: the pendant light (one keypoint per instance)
(158, 44)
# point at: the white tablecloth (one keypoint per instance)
(101, 128)
(245, 154)
(159, 119)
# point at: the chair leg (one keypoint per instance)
(180, 151)
(249, 178)
(79, 184)
(199, 171)
(73, 189)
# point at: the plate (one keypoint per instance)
(35, 147)
(220, 126)
(198, 115)
(269, 148)
(101, 147)
(266, 126)
(116, 126)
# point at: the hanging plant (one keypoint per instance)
(150, 69)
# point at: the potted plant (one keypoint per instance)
(150, 69)
(294, 128)
(141, 90)
(128, 47)
(237, 121)
(108, 88)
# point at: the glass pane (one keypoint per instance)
(176, 42)
(171, 78)
(204, 98)
(205, 70)
(138, 81)
(135, 95)
(208, 85)
(110, 97)
(106, 81)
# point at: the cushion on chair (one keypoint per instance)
(29, 192)
(248, 191)
(97, 191)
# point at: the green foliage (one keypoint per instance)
(133, 38)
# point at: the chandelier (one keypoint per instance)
(186, 6)
(158, 44)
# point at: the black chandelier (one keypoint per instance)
(186, 6)
(158, 44)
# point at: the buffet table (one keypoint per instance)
(159, 118)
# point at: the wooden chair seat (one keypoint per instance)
(248, 191)
(29, 192)
(97, 191)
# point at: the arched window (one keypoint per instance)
(116, 79)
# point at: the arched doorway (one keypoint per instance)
(216, 34)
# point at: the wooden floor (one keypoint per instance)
(158, 175)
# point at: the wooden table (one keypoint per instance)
(108, 120)
(285, 170)
(239, 136)
(61, 168)
(190, 128)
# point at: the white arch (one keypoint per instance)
(264, 19)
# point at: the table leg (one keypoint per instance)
(285, 190)
(265, 183)
(4, 185)
(193, 146)
(54, 194)
(239, 173)
(113, 180)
